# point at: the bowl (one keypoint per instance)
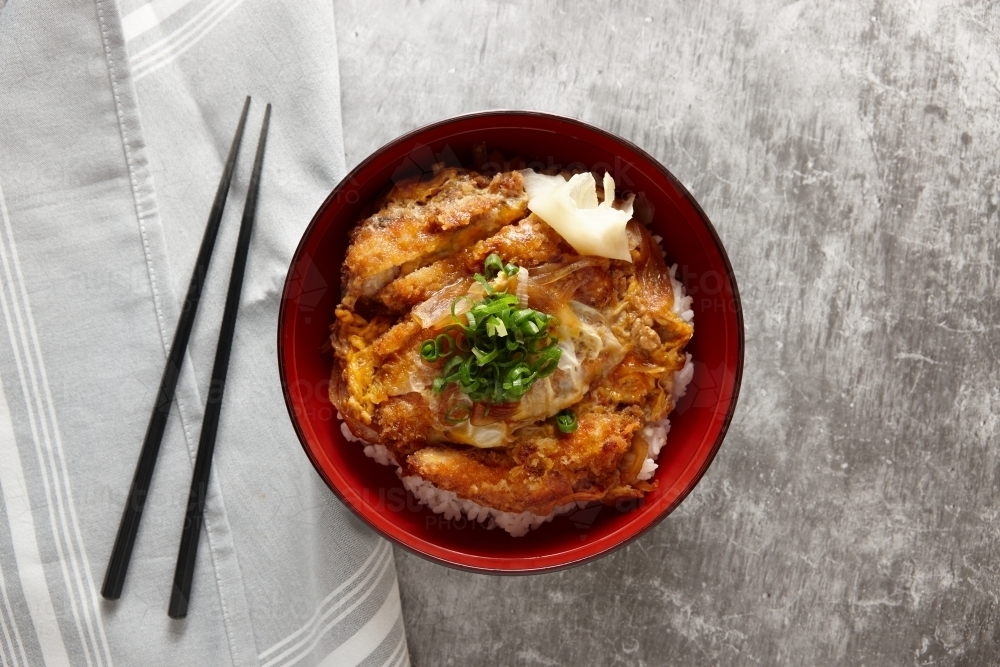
(372, 491)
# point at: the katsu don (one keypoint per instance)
(485, 347)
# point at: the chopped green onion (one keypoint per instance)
(500, 350)
(492, 266)
(483, 358)
(547, 361)
(444, 346)
(566, 421)
(451, 365)
(428, 350)
(495, 327)
(523, 315)
(481, 279)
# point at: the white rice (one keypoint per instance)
(448, 504)
(451, 506)
(682, 302)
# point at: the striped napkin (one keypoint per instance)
(115, 120)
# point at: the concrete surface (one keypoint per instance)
(848, 155)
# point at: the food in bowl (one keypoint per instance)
(511, 342)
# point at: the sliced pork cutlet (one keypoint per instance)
(422, 221)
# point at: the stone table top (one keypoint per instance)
(849, 155)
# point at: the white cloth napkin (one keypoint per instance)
(115, 120)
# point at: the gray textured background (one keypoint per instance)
(848, 155)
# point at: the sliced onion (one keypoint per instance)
(522, 287)
(435, 312)
(552, 286)
(633, 459)
(653, 276)
(554, 271)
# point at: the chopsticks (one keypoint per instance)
(121, 553)
(184, 572)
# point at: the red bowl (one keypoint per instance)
(372, 491)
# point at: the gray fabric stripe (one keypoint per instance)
(355, 607)
(25, 649)
(367, 637)
(17, 315)
(152, 41)
(333, 601)
(19, 524)
(55, 477)
(392, 650)
(164, 51)
(8, 650)
(15, 650)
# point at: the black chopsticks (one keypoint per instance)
(114, 578)
(121, 553)
(184, 572)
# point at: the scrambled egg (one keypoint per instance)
(620, 339)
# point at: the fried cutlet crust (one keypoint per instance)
(528, 243)
(421, 221)
(539, 473)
